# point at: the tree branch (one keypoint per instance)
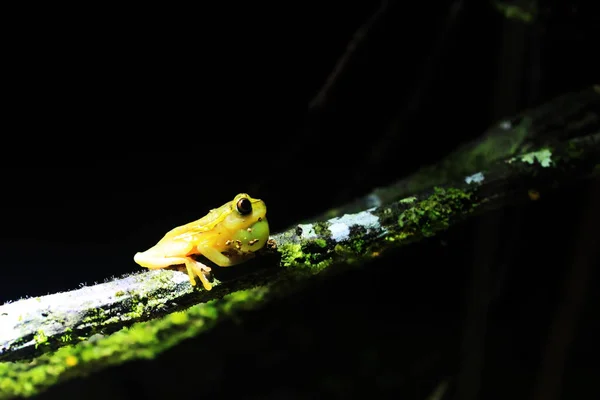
(83, 317)
(569, 116)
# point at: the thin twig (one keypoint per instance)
(357, 39)
(381, 148)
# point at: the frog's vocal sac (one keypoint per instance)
(227, 236)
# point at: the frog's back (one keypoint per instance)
(204, 224)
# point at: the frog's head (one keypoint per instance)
(247, 222)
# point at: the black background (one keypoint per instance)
(123, 122)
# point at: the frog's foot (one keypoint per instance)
(195, 268)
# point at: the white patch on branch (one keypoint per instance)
(339, 231)
(340, 227)
(52, 313)
(475, 178)
(308, 231)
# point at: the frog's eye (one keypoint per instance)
(244, 206)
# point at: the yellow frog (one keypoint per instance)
(227, 235)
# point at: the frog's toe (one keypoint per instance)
(200, 270)
(190, 272)
(207, 285)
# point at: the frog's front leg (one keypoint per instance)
(215, 256)
(192, 266)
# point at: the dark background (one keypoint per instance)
(121, 123)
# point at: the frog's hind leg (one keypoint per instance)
(151, 260)
(195, 268)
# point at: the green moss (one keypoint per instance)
(358, 245)
(357, 242)
(40, 338)
(321, 243)
(93, 316)
(476, 156)
(408, 200)
(525, 11)
(141, 340)
(94, 321)
(208, 312)
(162, 279)
(491, 148)
(320, 265)
(341, 250)
(322, 229)
(543, 156)
(99, 320)
(137, 307)
(355, 248)
(290, 252)
(401, 236)
(433, 214)
(67, 336)
(120, 293)
(239, 300)
(310, 256)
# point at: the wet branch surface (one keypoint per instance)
(55, 337)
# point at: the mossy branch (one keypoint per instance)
(76, 323)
